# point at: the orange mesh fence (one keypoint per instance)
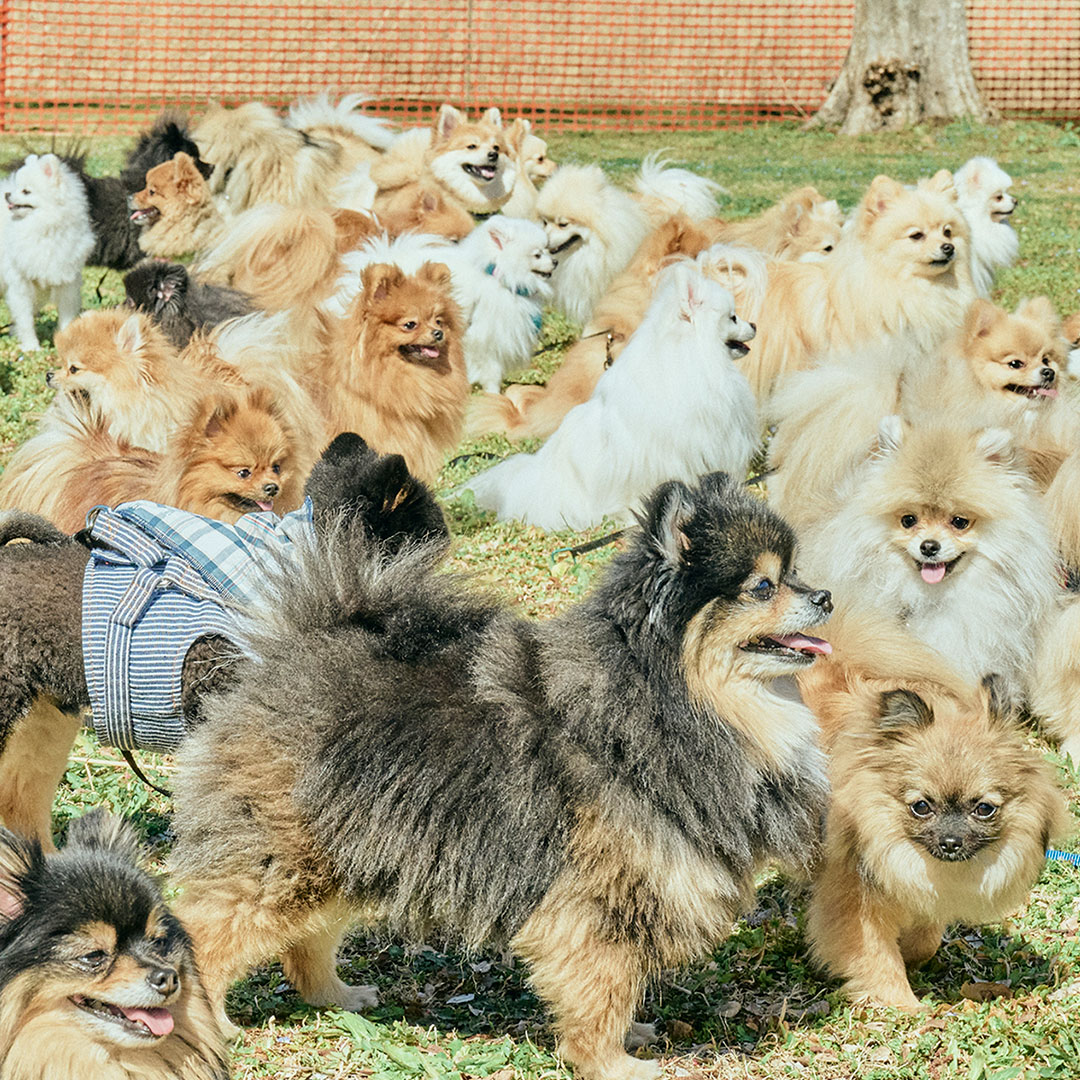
(107, 66)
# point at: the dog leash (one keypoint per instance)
(1063, 856)
(129, 758)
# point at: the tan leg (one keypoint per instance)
(32, 766)
(919, 943)
(593, 986)
(310, 964)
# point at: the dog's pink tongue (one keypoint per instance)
(264, 505)
(932, 572)
(159, 1021)
(804, 643)
(429, 351)
(1046, 391)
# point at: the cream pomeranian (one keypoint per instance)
(674, 407)
(902, 266)
(943, 530)
(46, 239)
(982, 190)
(999, 369)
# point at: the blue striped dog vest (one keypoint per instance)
(159, 578)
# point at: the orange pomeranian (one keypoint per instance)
(902, 266)
(395, 369)
(939, 811)
(175, 210)
(235, 456)
(803, 227)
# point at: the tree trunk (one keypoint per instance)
(908, 62)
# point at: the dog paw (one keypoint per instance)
(358, 998)
(639, 1035)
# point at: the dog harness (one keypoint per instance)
(157, 580)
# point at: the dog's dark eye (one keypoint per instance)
(921, 808)
(909, 521)
(960, 523)
(275, 469)
(985, 810)
(243, 473)
(564, 224)
(471, 146)
(409, 324)
(26, 191)
(916, 236)
(93, 961)
(151, 191)
(948, 232)
(73, 369)
(1047, 361)
(763, 590)
(827, 247)
(1017, 363)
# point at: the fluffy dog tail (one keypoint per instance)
(318, 112)
(666, 191)
(20, 525)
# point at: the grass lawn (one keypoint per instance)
(757, 1007)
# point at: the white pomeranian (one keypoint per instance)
(982, 190)
(499, 276)
(47, 238)
(671, 408)
(943, 531)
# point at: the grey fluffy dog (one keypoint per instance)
(597, 790)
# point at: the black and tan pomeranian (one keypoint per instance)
(939, 813)
(97, 977)
(596, 790)
(42, 676)
(180, 304)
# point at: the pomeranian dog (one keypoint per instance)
(663, 189)
(178, 303)
(643, 769)
(123, 366)
(97, 976)
(534, 165)
(175, 210)
(168, 136)
(944, 532)
(1000, 369)
(593, 230)
(902, 266)
(394, 369)
(42, 673)
(362, 138)
(939, 811)
(803, 226)
(46, 239)
(673, 407)
(982, 190)
(469, 161)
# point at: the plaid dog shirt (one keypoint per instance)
(158, 579)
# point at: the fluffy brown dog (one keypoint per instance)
(939, 812)
(803, 226)
(97, 977)
(175, 210)
(395, 371)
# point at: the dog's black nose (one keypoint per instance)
(163, 980)
(271, 489)
(930, 548)
(948, 250)
(1048, 375)
(950, 844)
(753, 326)
(493, 155)
(49, 376)
(437, 335)
(822, 599)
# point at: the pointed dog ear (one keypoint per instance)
(19, 859)
(664, 520)
(902, 709)
(447, 120)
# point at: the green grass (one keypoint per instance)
(757, 1007)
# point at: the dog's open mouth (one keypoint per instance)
(738, 349)
(149, 1023)
(1032, 391)
(542, 273)
(998, 216)
(942, 260)
(567, 245)
(13, 206)
(483, 173)
(427, 355)
(246, 505)
(934, 572)
(145, 215)
(798, 648)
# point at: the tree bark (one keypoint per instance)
(908, 62)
